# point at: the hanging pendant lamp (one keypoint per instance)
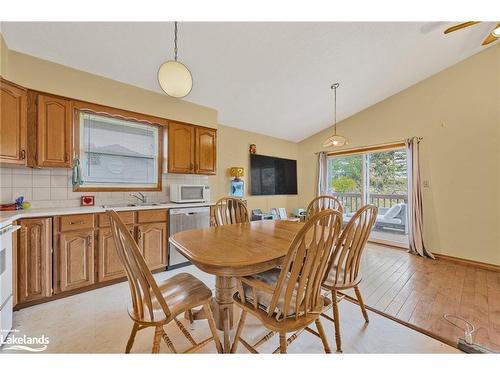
(174, 77)
(335, 140)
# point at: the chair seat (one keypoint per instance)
(329, 282)
(264, 298)
(292, 323)
(181, 292)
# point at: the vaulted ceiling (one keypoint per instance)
(270, 78)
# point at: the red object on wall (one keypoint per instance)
(87, 200)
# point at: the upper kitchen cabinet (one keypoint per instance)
(13, 101)
(53, 144)
(206, 151)
(180, 148)
(191, 149)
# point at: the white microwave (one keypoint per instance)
(180, 193)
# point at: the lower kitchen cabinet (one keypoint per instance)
(74, 260)
(66, 254)
(110, 266)
(34, 259)
(152, 240)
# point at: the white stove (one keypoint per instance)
(6, 310)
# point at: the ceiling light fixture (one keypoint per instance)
(496, 32)
(335, 140)
(174, 77)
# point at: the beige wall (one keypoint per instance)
(457, 111)
(58, 79)
(3, 56)
(233, 145)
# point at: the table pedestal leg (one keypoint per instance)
(222, 306)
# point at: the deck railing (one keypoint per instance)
(353, 201)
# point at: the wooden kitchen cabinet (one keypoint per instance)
(152, 240)
(181, 143)
(191, 149)
(75, 260)
(205, 151)
(34, 259)
(13, 122)
(54, 132)
(110, 265)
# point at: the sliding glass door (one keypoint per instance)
(379, 178)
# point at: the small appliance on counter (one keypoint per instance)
(182, 219)
(299, 213)
(6, 308)
(180, 193)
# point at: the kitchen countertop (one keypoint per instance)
(7, 217)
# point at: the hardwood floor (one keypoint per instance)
(420, 291)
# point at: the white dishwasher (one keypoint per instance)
(6, 233)
(182, 219)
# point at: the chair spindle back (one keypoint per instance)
(143, 287)
(230, 211)
(323, 202)
(305, 265)
(346, 257)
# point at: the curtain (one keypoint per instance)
(415, 206)
(322, 174)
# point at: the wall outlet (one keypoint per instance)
(426, 184)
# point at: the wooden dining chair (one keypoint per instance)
(323, 202)
(155, 305)
(289, 299)
(230, 210)
(343, 269)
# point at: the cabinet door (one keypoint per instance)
(152, 240)
(75, 255)
(34, 259)
(206, 151)
(54, 143)
(110, 265)
(12, 124)
(180, 148)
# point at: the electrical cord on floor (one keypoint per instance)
(468, 330)
(466, 344)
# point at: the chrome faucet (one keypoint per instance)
(140, 197)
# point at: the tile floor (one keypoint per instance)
(97, 322)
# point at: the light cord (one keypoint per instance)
(334, 88)
(175, 40)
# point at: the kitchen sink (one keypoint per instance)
(116, 205)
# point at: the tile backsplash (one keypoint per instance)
(51, 187)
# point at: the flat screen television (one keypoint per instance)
(272, 176)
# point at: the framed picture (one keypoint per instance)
(237, 188)
(87, 200)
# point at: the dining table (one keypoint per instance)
(231, 251)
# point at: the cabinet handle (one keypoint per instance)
(192, 166)
(23, 154)
(89, 239)
(76, 222)
(66, 156)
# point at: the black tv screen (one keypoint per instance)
(272, 176)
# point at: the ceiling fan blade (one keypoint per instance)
(494, 35)
(460, 26)
(489, 39)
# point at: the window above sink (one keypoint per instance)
(116, 153)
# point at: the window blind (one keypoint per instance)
(116, 152)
